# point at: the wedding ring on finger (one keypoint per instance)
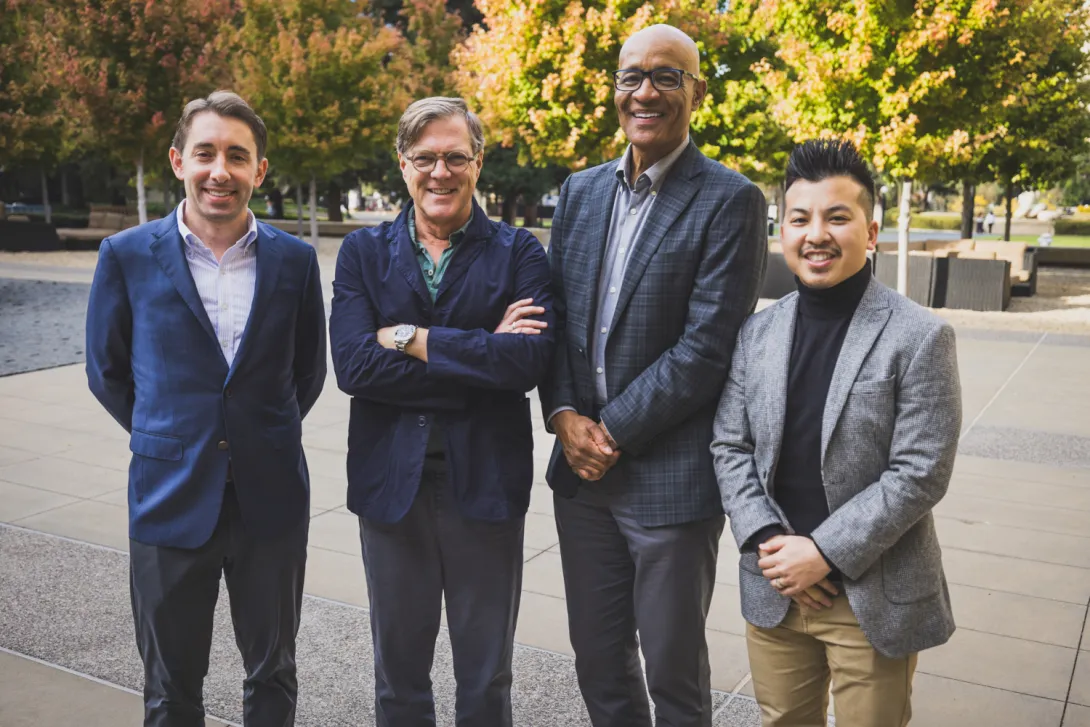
(778, 584)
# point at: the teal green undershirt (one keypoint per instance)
(433, 271)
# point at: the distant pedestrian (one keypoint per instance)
(989, 221)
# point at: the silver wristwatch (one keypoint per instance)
(403, 336)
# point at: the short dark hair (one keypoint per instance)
(819, 159)
(224, 103)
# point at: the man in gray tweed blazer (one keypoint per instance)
(835, 438)
(656, 261)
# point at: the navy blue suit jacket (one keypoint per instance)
(154, 363)
(475, 381)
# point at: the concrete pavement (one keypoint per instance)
(1015, 530)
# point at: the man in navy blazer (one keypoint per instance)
(206, 341)
(440, 325)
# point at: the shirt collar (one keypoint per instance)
(455, 237)
(193, 241)
(657, 173)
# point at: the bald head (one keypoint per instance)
(663, 39)
(655, 118)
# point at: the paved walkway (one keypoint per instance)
(1015, 530)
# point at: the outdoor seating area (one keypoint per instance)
(103, 222)
(963, 274)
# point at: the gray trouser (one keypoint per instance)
(622, 578)
(174, 593)
(411, 565)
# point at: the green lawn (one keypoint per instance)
(1057, 240)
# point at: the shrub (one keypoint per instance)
(1067, 226)
(925, 220)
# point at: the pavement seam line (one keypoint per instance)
(1074, 667)
(1014, 557)
(1003, 387)
(965, 521)
(97, 680)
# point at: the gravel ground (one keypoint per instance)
(41, 324)
(1062, 303)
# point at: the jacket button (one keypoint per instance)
(228, 393)
(422, 421)
(222, 444)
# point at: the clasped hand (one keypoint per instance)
(589, 449)
(797, 569)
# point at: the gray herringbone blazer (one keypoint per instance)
(889, 435)
(693, 276)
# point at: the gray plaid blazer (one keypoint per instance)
(692, 278)
(889, 435)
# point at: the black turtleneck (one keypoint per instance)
(820, 326)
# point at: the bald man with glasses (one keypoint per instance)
(656, 260)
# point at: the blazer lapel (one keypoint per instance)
(270, 255)
(477, 236)
(870, 318)
(677, 191)
(596, 234)
(774, 365)
(167, 246)
(404, 255)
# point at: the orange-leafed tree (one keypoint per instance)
(128, 67)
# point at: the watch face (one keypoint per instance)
(403, 332)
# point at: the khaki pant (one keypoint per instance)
(794, 663)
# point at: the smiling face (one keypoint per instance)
(656, 122)
(826, 233)
(220, 169)
(443, 198)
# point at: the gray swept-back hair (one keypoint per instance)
(226, 104)
(421, 113)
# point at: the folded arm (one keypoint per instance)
(488, 360)
(109, 339)
(691, 373)
(921, 460)
(363, 367)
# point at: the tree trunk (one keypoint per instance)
(65, 198)
(968, 211)
(530, 218)
(48, 209)
(1009, 194)
(902, 236)
(299, 209)
(507, 209)
(333, 203)
(314, 212)
(141, 193)
(168, 194)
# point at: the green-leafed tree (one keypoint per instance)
(131, 66)
(504, 176)
(328, 81)
(906, 82)
(540, 72)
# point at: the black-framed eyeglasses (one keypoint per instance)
(425, 161)
(663, 79)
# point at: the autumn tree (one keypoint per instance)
(328, 81)
(35, 128)
(541, 75)
(132, 65)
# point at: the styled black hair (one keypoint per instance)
(820, 159)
